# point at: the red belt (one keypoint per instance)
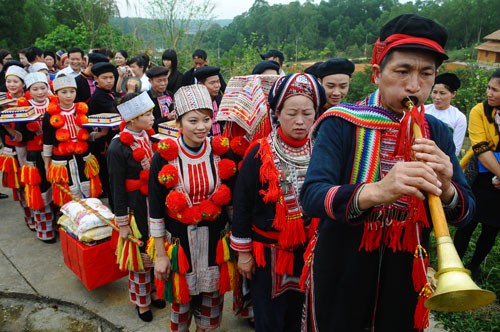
(134, 184)
(272, 235)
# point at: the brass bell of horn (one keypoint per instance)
(455, 290)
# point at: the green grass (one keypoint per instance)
(485, 319)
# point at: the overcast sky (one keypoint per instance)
(224, 9)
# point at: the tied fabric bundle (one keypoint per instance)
(128, 256)
(175, 289)
(225, 258)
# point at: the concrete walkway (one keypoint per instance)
(31, 267)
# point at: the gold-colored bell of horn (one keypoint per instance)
(455, 290)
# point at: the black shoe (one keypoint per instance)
(2, 195)
(145, 316)
(251, 322)
(157, 303)
(50, 241)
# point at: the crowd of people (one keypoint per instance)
(311, 210)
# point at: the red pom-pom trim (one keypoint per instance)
(81, 108)
(222, 196)
(62, 135)
(209, 210)
(33, 126)
(220, 145)
(53, 98)
(126, 138)
(144, 175)
(66, 148)
(176, 201)
(23, 101)
(227, 169)
(123, 124)
(81, 147)
(155, 146)
(191, 216)
(83, 135)
(168, 149)
(81, 119)
(239, 145)
(138, 154)
(57, 121)
(150, 132)
(53, 109)
(168, 176)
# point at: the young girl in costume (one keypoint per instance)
(191, 246)
(71, 167)
(13, 154)
(269, 228)
(33, 174)
(128, 159)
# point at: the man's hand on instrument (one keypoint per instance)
(427, 151)
(405, 178)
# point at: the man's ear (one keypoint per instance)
(376, 73)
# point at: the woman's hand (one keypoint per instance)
(246, 264)
(162, 267)
(125, 231)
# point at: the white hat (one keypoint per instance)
(35, 77)
(16, 71)
(136, 106)
(63, 81)
(191, 98)
(37, 66)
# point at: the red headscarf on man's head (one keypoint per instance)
(411, 31)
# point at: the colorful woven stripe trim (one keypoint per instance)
(367, 157)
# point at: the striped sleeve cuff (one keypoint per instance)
(241, 244)
(122, 220)
(330, 196)
(47, 150)
(157, 227)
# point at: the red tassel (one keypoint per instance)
(421, 317)
(372, 236)
(258, 253)
(32, 179)
(284, 262)
(419, 270)
(292, 234)
(219, 253)
(393, 236)
(95, 186)
(279, 221)
(308, 258)
(160, 289)
(182, 260)
(313, 226)
(183, 289)
(11, 172)
(91, 171)
(268, 174)
(225, 285)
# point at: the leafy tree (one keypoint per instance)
(22, 21)
(176, 19)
